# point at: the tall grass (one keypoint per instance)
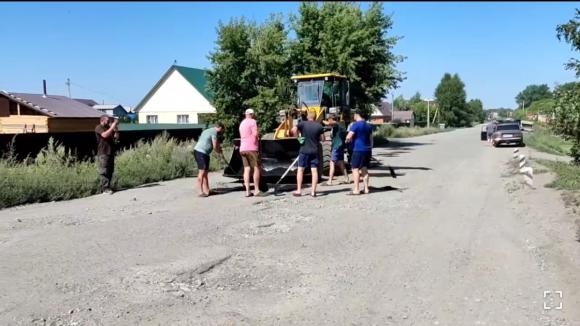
(55, 174)
(545, 141)
(567, 175)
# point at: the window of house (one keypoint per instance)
(152, 119)
(182, 118)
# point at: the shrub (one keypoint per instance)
(161, 159)
(545, 141)
(567, 175)
(386, 131)
(55, 174)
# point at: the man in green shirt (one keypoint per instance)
(206, 143)
(338, 148)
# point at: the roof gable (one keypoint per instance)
(383, 109)
(195, 77)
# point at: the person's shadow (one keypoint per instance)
(385, 188)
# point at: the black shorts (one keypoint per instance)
(308, 161)
(360, 160)
(202, 160)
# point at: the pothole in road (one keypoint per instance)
(202, 282)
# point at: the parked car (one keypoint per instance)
(507, 133)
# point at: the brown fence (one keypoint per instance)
(83, 144)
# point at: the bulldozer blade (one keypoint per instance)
(275, 155)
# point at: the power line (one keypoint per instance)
(97, 92)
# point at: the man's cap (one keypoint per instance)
(249, 111)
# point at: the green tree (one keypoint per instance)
(400, 103)
(250, 70)
(520, 114)
(252, 64)
(340, 37)
(533, 93)
(570, 32)
(450, 95)
(567, 116)
(544, 106)
(415, 99)
(419, 107)
(231, 80)
(270, 65)
(305, 52)
(476, 110)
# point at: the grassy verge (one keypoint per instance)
(55, 175)
(388, 131)
(568, 180)
(567, 175)
(543, 140)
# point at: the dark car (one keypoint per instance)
(507, 133)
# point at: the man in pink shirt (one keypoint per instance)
(249, 150)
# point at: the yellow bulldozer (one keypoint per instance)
(325, 94)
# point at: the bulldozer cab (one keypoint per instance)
(322, 94)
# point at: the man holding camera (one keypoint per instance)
(106, 135)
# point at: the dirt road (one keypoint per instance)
(454, 240)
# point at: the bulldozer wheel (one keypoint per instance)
(324, 158)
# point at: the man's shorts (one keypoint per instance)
(337, 154)
(360, 160)
(202, 160)
(308, 160)
(250, 159)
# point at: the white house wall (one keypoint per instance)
(175, 97)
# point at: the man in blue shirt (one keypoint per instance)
(361, 135)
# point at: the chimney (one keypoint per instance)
(44, 88)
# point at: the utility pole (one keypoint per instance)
(428, 116)
(428, 112)
(392, 106)
(68, 86)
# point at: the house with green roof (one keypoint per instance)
(180, 96)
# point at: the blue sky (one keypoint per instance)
(115, 52)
